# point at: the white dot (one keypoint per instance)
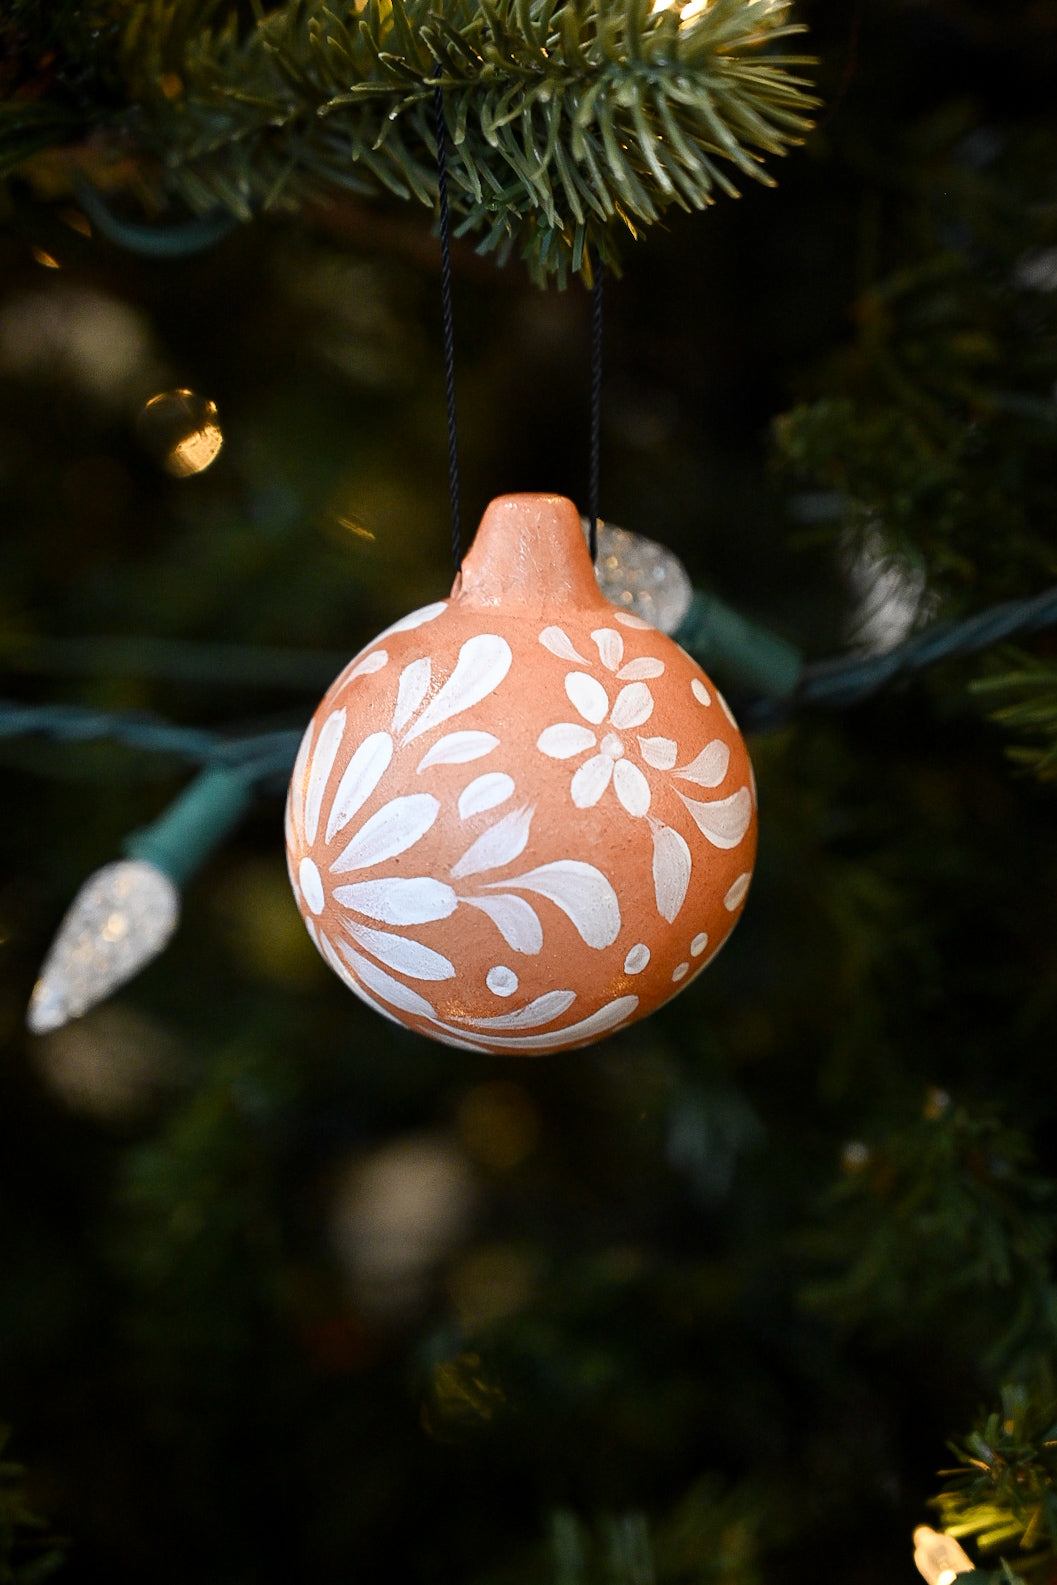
(501, 980)
(700, 692)
(311, 885)
(698, 944)
(637, 959)
(736, 896)
(678, 972)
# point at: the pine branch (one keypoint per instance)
(1030, 686)
(945, 1221)
(569, 122)
(1004, 1493)
(28, 1554)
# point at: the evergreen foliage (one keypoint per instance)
(568, 122)
(1029, 685)
(28, 1554)
(1004, 1494)
(946, 1206)
(711, 1297)
(937, 420)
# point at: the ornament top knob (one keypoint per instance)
(529, 554)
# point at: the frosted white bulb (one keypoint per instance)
(121, 918)
(642, 576)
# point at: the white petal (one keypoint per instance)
(550, 1005)
(591, 781)
(700, 692)
(297, 783)
(402, 954)
(628, 619)
(610, 647)
(394, 828)
(588, 695)
(672, 867)
(361, 776)
(634, 706)
(485, 792)
(457, 748)
(377, 660)
(725, 821)
(588, 1029)
(384, 985)
(565, 739)
(631, 787)
(559, 643)
(394, 901)
(737, 893)
(322, 764)
(660, 752)
(710, 766)
(311, 883)
(483, 662)
(341, 969)
(501, 843)
(406, 624)
(638, 670)
(515, 919)
(581, 892)
(413, 688)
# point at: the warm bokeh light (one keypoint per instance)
(181, 429)
(113, 1064)
(498, 1124)
(77, 221)
(396, 1214)
(103, 346)
(491, 1282)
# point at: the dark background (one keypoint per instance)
(620, 1327)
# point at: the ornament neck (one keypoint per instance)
(529, 551)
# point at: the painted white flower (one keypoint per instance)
(723, 822)
(374, 906)
(631, 707)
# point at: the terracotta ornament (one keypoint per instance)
(521, 817)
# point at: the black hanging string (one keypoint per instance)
(596, 405)
(448, 320)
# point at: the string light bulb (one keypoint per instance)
(125, 913)
(938, 1557)
(121, 918)
(642, 576)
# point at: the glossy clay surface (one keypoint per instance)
(521, 818)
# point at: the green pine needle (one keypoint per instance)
(1030, 687)
(569, 123)
(1004, 1492)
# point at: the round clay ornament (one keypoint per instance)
(521, 817)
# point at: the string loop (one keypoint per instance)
(441, 131)
(596, 406)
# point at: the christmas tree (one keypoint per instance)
(762, 1284)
